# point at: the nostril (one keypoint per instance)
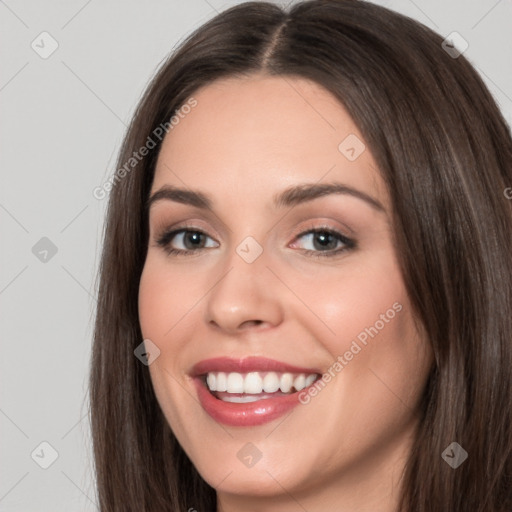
(251, 323)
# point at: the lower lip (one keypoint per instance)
(245, 415)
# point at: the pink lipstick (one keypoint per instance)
(250, 391)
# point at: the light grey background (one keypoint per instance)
(62, 121)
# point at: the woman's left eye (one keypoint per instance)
(324, 242)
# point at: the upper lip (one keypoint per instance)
(246, 365)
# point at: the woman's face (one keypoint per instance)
(258, 282)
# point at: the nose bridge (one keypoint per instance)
(245, 293)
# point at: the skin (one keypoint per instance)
(246, 140)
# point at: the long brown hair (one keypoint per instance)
(445, 153)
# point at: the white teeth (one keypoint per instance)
(222, 382)
(211, 380)
(287, 382)
(241, 399)
(300, 382)
(253, 383)
(235, 383)
(271, 382)
(310, 379)
(256, 383)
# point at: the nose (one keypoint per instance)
(247, 296)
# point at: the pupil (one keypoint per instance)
(194, 237)
(325, 239)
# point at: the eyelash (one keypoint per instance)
(165, 239)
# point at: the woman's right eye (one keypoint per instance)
(191, 240)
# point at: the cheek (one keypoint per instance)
(154, 300)
(165, 299)
(360, 301)
(379, 360)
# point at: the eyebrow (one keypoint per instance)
(292, 196)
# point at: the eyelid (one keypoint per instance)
(323, 225)
(161, 228)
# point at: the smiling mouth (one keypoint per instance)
(249, 387)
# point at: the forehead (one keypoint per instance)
(246, 136)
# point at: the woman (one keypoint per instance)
(306, 281)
